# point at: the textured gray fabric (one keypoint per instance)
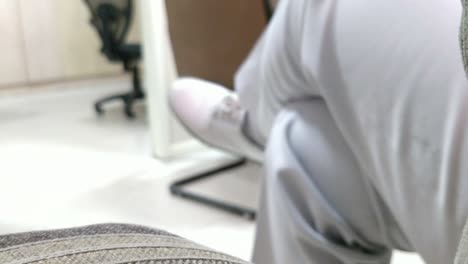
(464, 34)
(108, 243)
(462, 254)
(30, 237)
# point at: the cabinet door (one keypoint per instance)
(12, 64)
(79, 44)
(50, 40)
(73, 46)
(39, 25)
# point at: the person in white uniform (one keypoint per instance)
(358, 110)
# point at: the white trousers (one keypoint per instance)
(387, 168)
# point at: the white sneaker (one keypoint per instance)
(213, 114)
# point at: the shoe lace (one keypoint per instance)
(229, 110)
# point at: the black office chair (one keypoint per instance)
(112, 19)
(269, 9)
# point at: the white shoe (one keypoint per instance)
(213, 114)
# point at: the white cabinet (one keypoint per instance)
(78, 46)
(38, 24)
(50, 40)
(12, 62)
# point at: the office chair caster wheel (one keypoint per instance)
(98, 109)
(129, 112)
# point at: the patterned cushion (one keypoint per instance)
(464, 34)
(109, 243)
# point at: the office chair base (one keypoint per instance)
(128, 100)
(178, 190)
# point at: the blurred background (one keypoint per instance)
(86, 135)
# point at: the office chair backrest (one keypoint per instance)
(268, 6)
(111, 19)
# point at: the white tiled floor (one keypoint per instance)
(63, 166)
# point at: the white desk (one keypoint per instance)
(168, 138)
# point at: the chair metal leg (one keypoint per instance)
(137, 89)
(177, 188)
(127, 98)
(98, 105)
